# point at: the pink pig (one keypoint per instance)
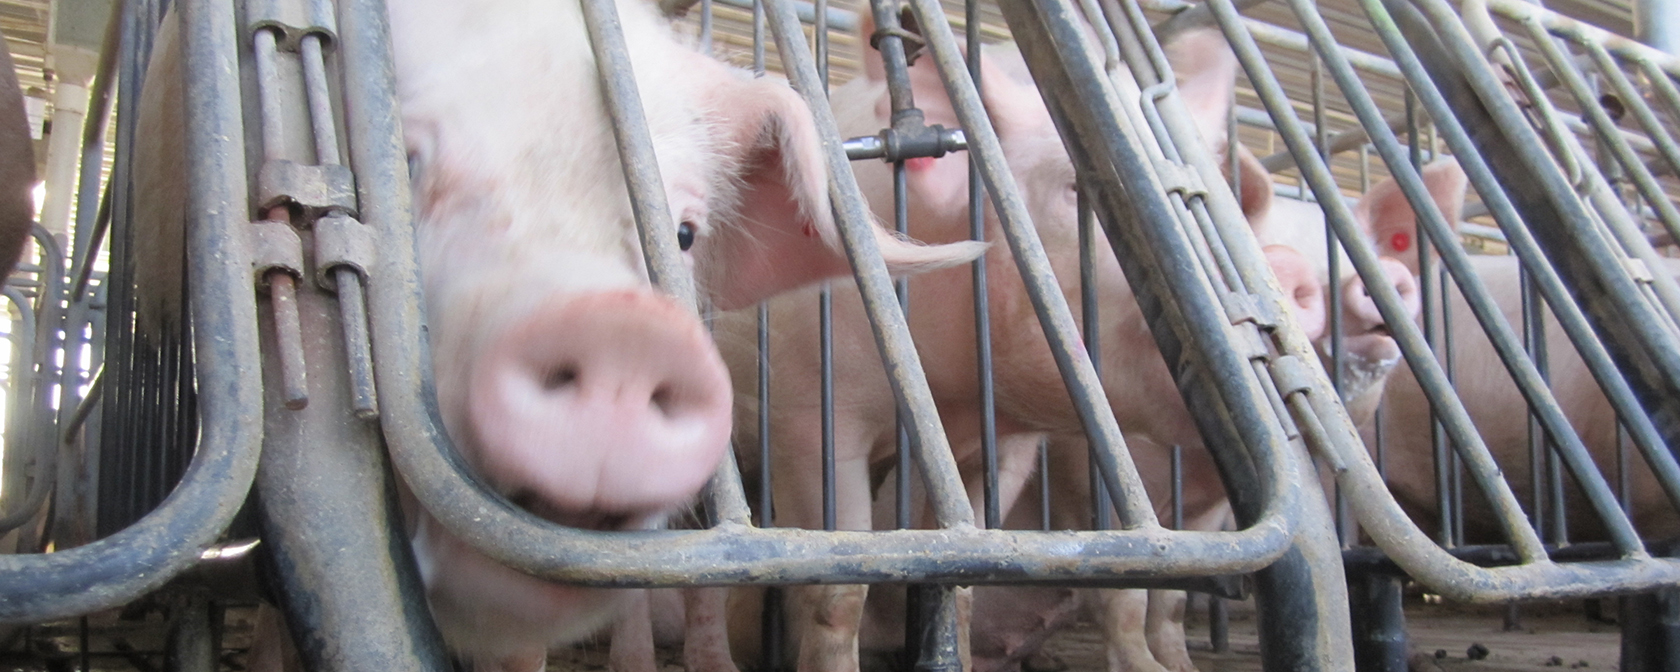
(565, 381)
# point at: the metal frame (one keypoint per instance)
(1254, 384)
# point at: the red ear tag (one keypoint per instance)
(921, 164)
(1400, 242)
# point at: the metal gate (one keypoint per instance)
(175, 418)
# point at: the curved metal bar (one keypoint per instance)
(171, 538)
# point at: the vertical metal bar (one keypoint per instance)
(706, 27)
(982, 293)
(939, 637)
(1177, 469)
(933, 451)
(1379, 622)
(191, 641)
(771, 624)
(825, 313)
(1101, 500)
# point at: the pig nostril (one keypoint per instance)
(559, 377)
(662, 398)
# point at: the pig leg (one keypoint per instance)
(706, 635)
(829, 616)
(529, 660)
(1124, 615)
(271, 645)
(1164, 626)
(1164, 630)
(632, 637)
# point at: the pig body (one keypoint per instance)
(565, 381)
(17, 167)
(1498, 410)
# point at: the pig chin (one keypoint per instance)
(1367, 361)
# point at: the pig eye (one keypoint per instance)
(685, 235)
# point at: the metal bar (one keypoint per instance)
(982, 294)
(892, 333)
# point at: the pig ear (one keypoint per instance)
(1255, 186)
(1389, 219)
(780, 233)
(1207, 75)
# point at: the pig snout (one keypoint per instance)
(1368, 335)
(1302, 291)
(600, 410)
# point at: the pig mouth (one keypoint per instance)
(595, 519)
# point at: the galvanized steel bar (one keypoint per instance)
(148, 553)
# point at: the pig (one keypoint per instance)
(1497, 409)
(17, 167)
(1030, 395)
(564, 380)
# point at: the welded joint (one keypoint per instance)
(275, 247)
(291, 20)
(316, 189)
(1177, 177)
(342, 241)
